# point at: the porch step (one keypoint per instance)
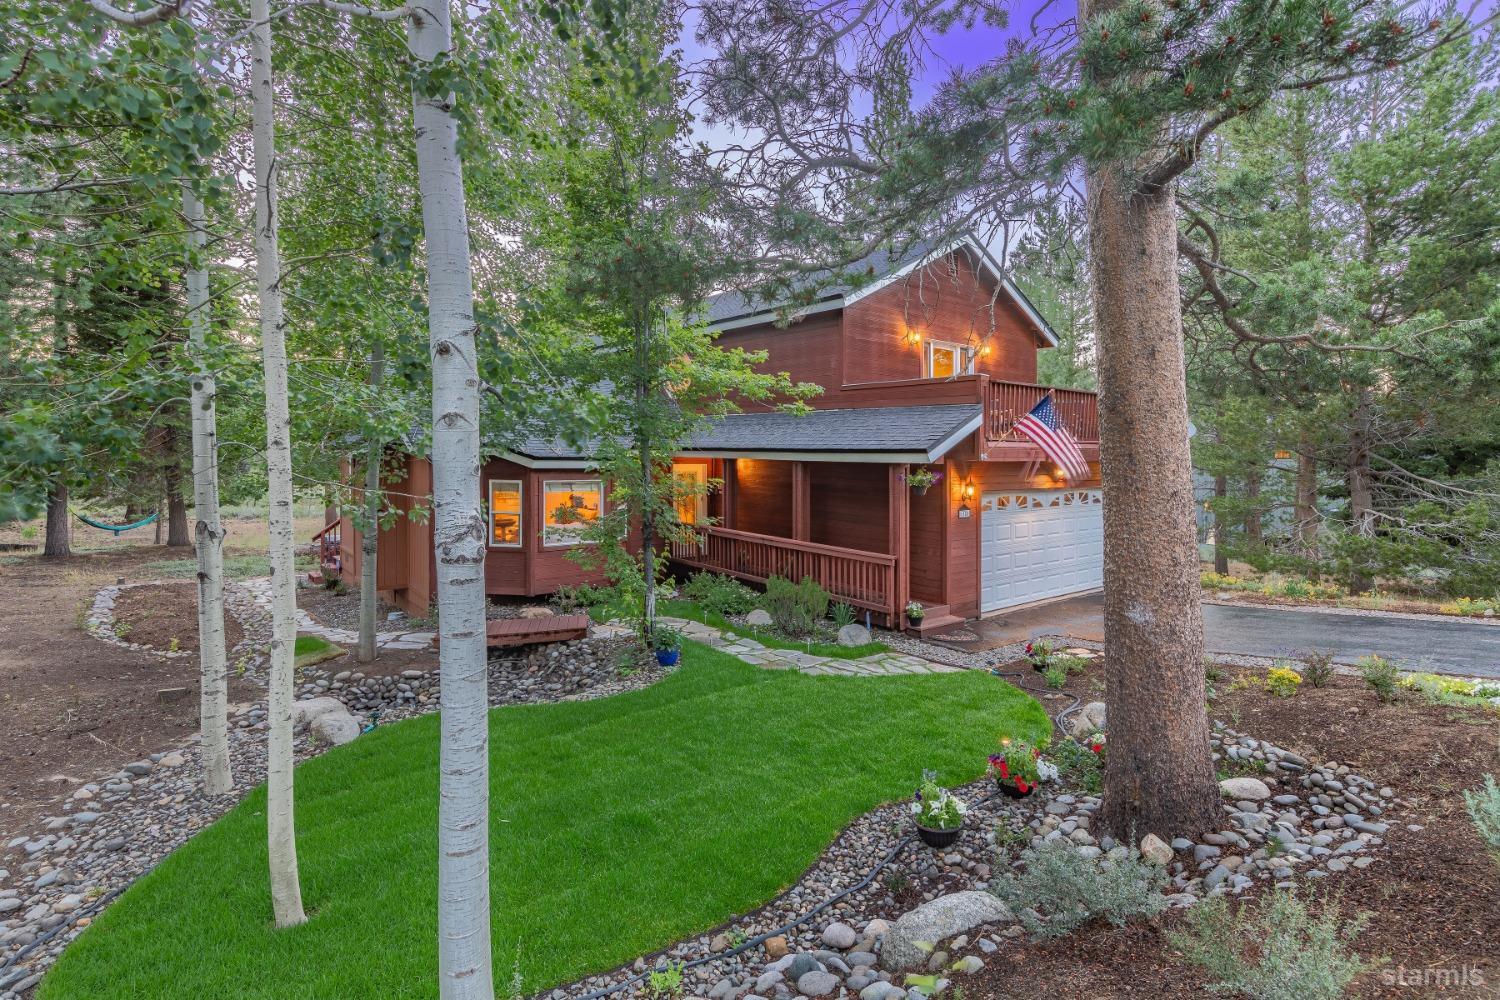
(931, 623)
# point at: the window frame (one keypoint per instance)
(489, 513)
(551, 544)
(964, 358)
(698, 471)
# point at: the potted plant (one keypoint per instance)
(938, 813)
(667, 644)
(1039, 654)
(1017, 767)
(914, 612)
(921, 480)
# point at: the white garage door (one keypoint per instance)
(1037, 544)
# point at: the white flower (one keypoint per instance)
(1046, 771)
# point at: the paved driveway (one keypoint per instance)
(1455, 647)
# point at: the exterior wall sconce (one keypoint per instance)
(966, 494)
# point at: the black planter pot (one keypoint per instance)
(920, 491)
(938, 838)
(1008, 787)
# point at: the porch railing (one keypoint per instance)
(330, 546)
(863, 579)
(1007, 402)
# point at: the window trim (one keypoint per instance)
(599, 483)
(489, 513)
(699, 472)
(964, 356)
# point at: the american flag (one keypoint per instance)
(1043, 426)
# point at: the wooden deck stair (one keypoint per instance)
(527, 631)
(937, 619)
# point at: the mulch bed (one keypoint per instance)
(156, 614)
(1433, 895)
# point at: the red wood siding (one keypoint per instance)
(807, 349)
(947, 301)
(929, 540)
(763, 503)
(849, 505)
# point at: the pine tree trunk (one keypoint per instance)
(1221, 555)
(286, 890)
(177, 524)
(1160, 776)
(1253, 522)
(208, 529)
(464, 961)
(1361, 514)
(58, 544)
(1305, 513)
(648, 502)
(369, 548)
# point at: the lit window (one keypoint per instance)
(569, 506)
(505, 512)
(1283, 454)
(947, 360)
(692, 493)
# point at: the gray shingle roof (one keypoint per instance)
(876, 429)
(733, 304)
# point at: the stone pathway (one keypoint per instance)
(260, 589)
(753, 651)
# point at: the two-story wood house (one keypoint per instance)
(927, 365)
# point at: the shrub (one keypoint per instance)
(1484, 811)
(841, 614)
(1059, 889)
(1317, 667)
(719, 594)
(1083, 765)
(1056, 674)
(1275, 950)
(1218, 581)
(795, 607)
(1382, 676)
(1040, 652)
(1282, 680)
(666, 639)
(1471, 606)
(666, 981)
(1073, 664)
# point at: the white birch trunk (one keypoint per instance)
(464, 969)
(209, 530)
(369, 549)
(286, 892)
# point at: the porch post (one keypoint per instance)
(730, 488)
(801, 502)
(898, 536)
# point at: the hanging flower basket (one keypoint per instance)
(921, 480)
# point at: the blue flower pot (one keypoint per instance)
(668, 657)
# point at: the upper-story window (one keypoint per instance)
(945, 360)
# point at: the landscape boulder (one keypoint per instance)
(1090, 719)
(759, 618)
(304, 712)
(853, 634)
(911, 939)
(335, 728)
(1250, 789)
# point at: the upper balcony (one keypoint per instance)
(1004, 403)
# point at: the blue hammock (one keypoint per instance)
(116, 528)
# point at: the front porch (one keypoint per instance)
(844, 524)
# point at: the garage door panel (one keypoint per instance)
(1039, 544)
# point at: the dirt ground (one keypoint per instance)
(164, 616)
(74, 708)
(1433, 895)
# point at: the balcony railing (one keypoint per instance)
(863, 579)
(1007, 402)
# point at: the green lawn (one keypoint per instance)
(619, 825)
(695, 612)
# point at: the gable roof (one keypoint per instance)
(733, 309)
(892, 434)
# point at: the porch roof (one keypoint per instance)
(892, 434)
